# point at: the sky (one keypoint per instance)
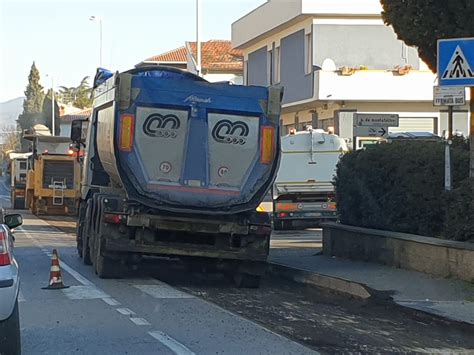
(64, 43)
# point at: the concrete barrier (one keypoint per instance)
(437, 257)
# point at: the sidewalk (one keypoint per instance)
(448, 298)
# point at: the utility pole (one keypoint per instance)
(53, 129)
(198, 37)
(98, 19)
(471, 133)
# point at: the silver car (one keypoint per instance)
(9, 288)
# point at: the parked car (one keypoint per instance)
(9, 288)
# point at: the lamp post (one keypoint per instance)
(98, 19)
(198, 37)
(53, 118)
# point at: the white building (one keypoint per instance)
(337, 57)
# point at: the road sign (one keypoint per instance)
(371, 131)
(376, 120)
(449, 96)
(456, 62)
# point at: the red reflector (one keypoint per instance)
(112, 218)
(127, 130)
(267, 146)
(282, 215)
(5, 258)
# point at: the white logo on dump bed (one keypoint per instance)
(195, 99)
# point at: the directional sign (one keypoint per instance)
(371, 131)
(449, 96)
(456, 62)
(376, 120)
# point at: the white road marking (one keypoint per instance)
(172, 344)
(62, 264)
(162, 291)
(139, 321)
(76, 275)
(84, 293)
(125, 311)
(111, 301)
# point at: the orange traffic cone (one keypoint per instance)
(55, 279)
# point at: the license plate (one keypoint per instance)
(313, 214)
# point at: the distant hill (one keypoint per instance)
(9, 111)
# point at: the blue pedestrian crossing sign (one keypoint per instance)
(456, 62)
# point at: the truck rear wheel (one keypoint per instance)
(85, 248)
(105, 267)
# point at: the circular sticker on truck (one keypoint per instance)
(223, 170)
(165, 167)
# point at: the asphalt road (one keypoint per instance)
(166, 309)
(137, 315)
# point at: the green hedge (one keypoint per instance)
(400, 187)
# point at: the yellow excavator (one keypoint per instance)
(53, 181)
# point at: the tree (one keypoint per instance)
(33, 103)
(11, 138)
(79, 96)
(421, 23)
(33, 93)
(83, 99)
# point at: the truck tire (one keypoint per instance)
(244, 280)
(10, 338)
(105, 267)
(86, 251)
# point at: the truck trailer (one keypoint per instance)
(18, 173)
(303, 192)
(176, 166)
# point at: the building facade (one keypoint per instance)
(335, 58)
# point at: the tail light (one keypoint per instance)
(5, 253)
(267, 147)
(113, 218)
(127, 129)
(70, 152)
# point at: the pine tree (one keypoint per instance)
(34, 92)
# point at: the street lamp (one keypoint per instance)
(53, 118)
(198, 37)
(98, 19)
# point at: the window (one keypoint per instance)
(308, 54)
(270, 67)
(277, 65)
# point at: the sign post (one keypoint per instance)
(456, 68)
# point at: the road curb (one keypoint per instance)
(312, 278)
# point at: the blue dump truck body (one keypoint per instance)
(178, 156)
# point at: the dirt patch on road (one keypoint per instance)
(326, 322)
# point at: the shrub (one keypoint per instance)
(398, 186)
(460, 213)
